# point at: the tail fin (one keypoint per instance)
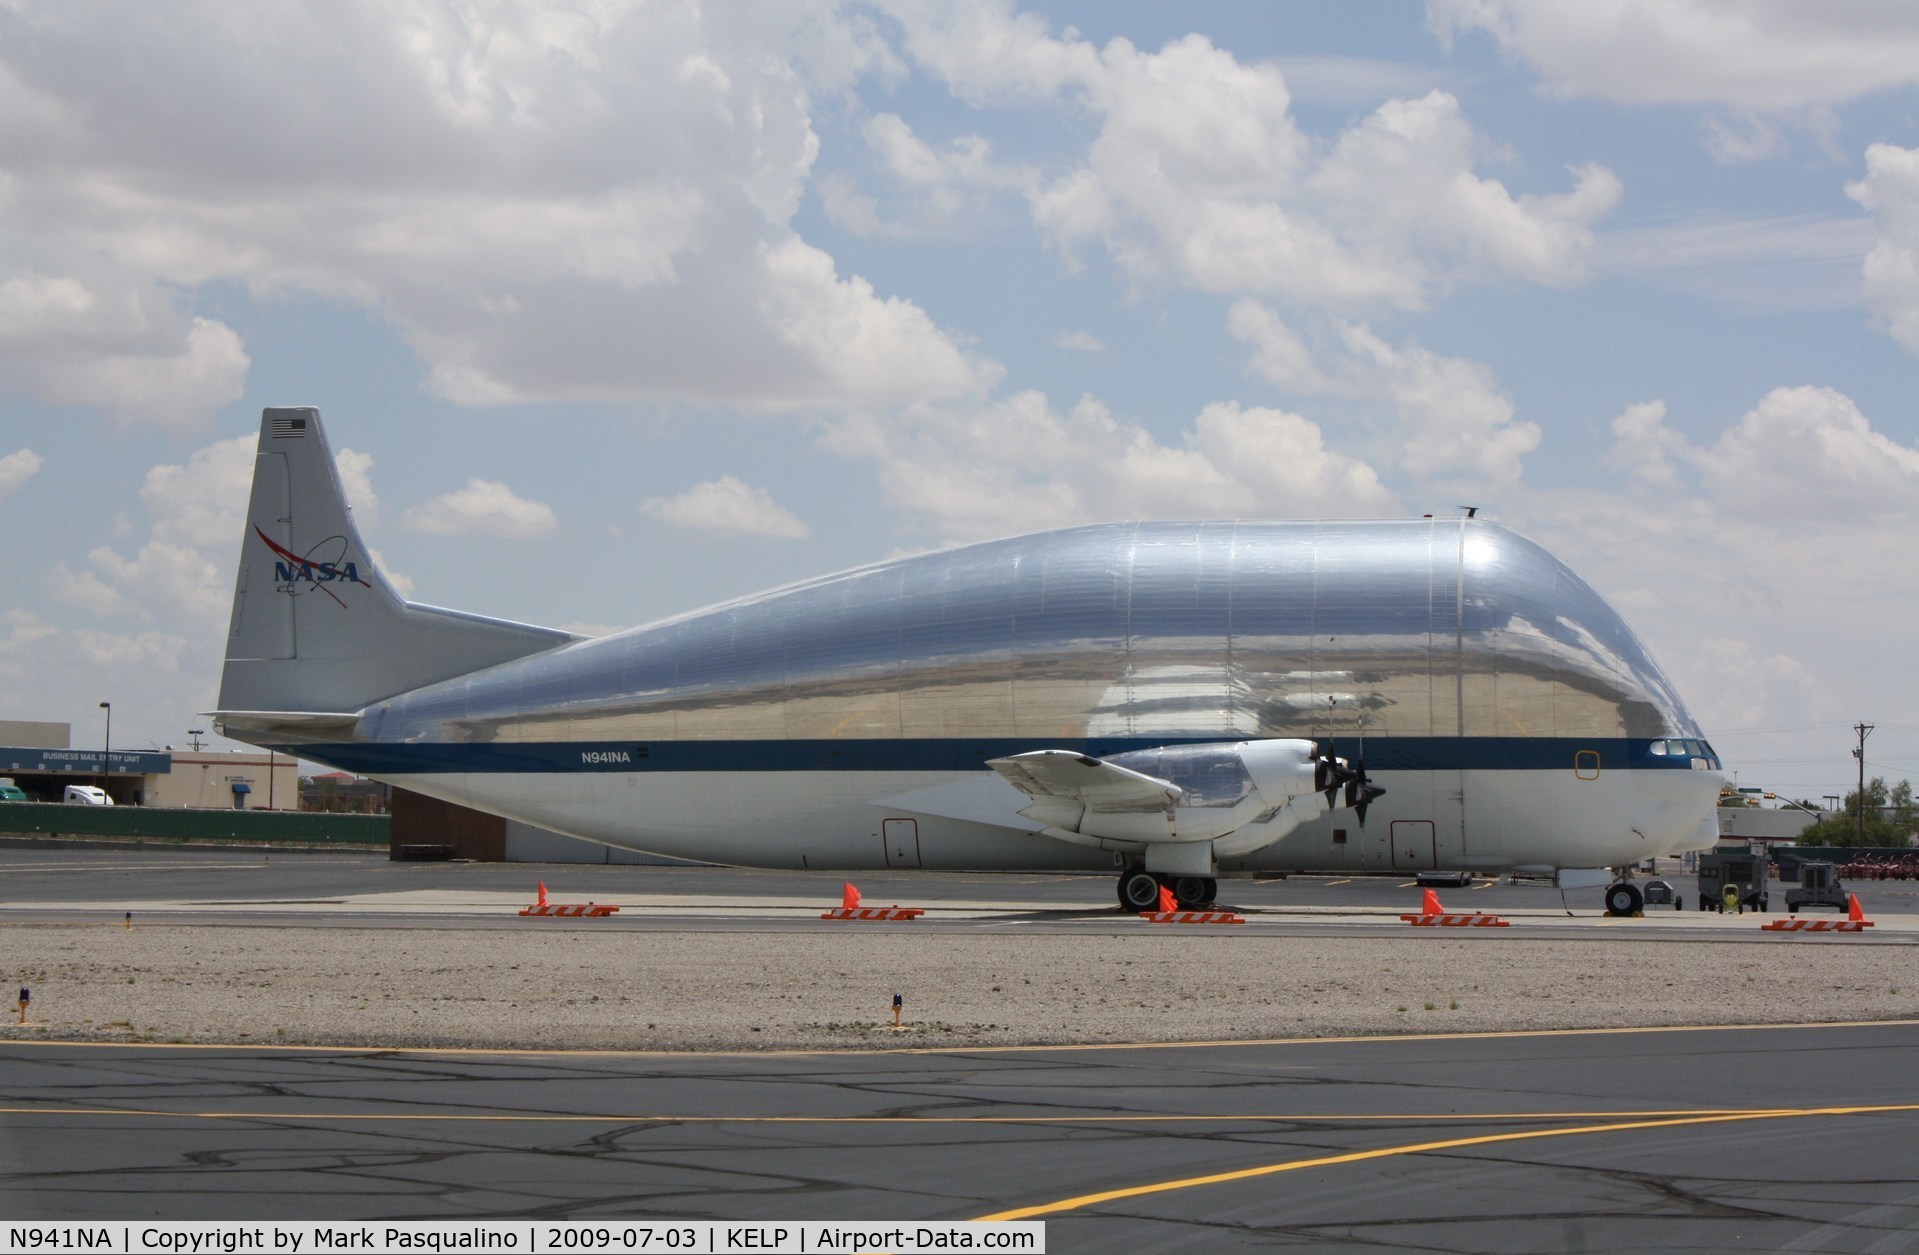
(317, 632)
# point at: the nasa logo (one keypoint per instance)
(324, 564)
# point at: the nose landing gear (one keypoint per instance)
(1624, 899)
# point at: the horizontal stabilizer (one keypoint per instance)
(295, 725)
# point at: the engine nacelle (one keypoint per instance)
(1283, 768)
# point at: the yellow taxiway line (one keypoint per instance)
(1082, 1201)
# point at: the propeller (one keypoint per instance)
(1360, 791)
(1331, 774)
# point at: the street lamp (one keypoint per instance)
(196, 734)
(1786, 801)
(106, 754)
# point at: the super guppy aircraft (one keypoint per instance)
(1170, 701)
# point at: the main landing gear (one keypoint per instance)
(1139, 890)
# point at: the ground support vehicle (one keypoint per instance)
(1818, 886)
(1746, 869)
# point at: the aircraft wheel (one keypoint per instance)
(1192, 891)
(1624, 898)
(1138, 890)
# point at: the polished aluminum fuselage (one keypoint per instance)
(1511, 714)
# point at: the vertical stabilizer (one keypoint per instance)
(316, 628)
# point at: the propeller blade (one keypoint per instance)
(1329, 774)
(1361, 791)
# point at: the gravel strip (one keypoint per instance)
(761, 991)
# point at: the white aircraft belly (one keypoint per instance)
(834, 819)
(761, 819)
(1511, 819)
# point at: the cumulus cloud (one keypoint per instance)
(1757, 55)
(203, 503)
(1754, 62)
(183, 568)
(1645, 447)
(1757, 532)
(726, 505)
(1449, 416)
(356, 480)
(549, 204)
(1810, 451)
(1736, 546)
(78, 329)
(17, 468)
(1201, 176)
(174, 388)
(1890, 191)
(1803, 458)
(1079, 342)
(59, 673)
(484, 507)
(85, 590)
(1018, 465)
(945, 190)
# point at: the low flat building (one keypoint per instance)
(219, 780)
(40, 760)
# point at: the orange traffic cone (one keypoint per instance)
(1166, 900)
(542, 893)
(1853, 910)
(849, 898)
(1429, 905)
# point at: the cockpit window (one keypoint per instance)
(1676, 747)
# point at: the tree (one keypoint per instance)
(1892, 816)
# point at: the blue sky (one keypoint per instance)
(620, 309)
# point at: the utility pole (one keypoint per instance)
(1864, 730)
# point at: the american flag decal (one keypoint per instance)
(288, 428)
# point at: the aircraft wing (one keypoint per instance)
(1087, 782)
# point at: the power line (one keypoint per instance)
(1811, 727)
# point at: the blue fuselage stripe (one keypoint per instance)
(1398, 753)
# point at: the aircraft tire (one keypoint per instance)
(1195, 891)
(1624, 899)
(1138, 890)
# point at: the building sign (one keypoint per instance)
(45, 762)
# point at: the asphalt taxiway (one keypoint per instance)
(1727, 1139)
(170, 885)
